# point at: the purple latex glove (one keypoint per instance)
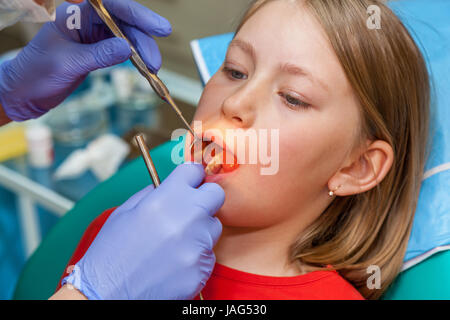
(158, 244)
(57, 60)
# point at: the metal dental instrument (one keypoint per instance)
(155, 82)
(147, 159)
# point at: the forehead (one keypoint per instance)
(286, 32)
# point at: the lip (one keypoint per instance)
(219, 176)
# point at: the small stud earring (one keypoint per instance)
(331, 193)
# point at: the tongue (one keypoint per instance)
(230, 167)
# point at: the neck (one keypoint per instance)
(262, 251)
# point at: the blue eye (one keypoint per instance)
(234, 74)
(294, 103)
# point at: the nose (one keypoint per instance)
(240, 106)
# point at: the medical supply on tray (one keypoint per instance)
(84, 115)
(40, 145)
(137, 104)
(102, 156)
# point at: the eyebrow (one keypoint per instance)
(297, 71)
(285, 67)
(244, 46)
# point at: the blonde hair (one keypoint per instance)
(389, 77)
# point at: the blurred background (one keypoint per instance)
(190, 20)
(41, 171)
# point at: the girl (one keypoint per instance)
(351, 105)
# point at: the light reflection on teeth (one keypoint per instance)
(214, 165)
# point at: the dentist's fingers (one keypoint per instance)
(102, 54)
(212, 197)
(215, 230)
(190, 173)
(146, 47)
(137, 197)
(139, 16)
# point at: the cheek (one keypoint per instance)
(211, 100)
(309, 157)
(251, 201)
(306, 162)
(256, 200)
(303, 157)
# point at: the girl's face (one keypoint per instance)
(280, 72)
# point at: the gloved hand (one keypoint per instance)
(58, 59)
(158, 244)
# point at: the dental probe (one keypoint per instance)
(147, 159)
(155, 82)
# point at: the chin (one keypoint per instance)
(234, 214)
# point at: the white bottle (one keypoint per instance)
(40, 146)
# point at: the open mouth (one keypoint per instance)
(214, 155)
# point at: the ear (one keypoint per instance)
(368, 169)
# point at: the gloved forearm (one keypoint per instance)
(58, 59)
(158, 244)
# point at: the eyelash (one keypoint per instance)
(286, 97)
(300, 104)
(230, 72)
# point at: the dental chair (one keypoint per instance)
(426, 268)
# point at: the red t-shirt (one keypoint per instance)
(230, 284)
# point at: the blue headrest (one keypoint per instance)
(429, 23)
